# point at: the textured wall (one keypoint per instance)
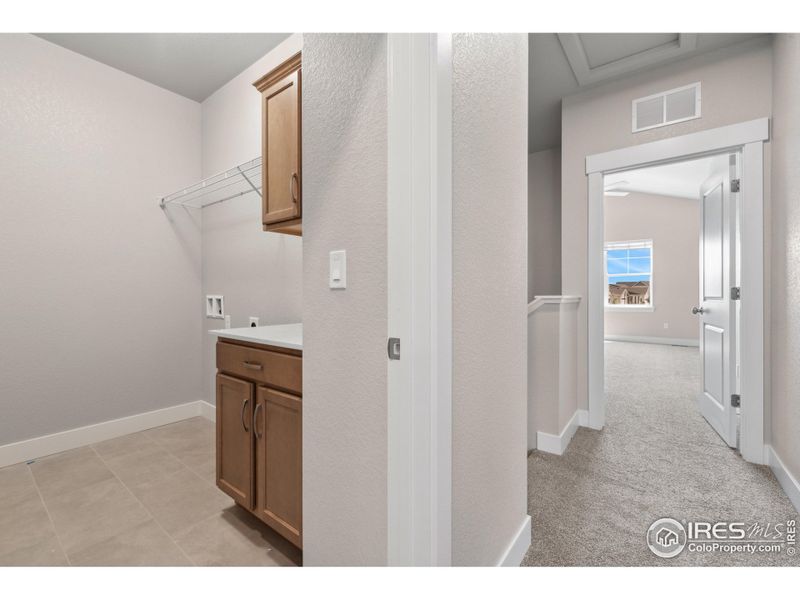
(599, 120)
(785, 293)
(552, 401)
(674, 226)
(543, 380)
(544, 223)
(100, 286)
(260, 274)
(344, 346)
(490, 124)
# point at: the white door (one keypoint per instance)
(715, 310)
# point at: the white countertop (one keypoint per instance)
(283, 336)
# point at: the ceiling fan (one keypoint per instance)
(612, 189)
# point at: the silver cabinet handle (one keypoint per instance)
(252, 365)
(292, 194)
(255, 421)
(697, 311)
(244, 406)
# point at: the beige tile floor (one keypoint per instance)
(144, 499)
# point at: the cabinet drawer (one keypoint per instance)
(274, 369)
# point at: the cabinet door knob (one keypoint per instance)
(292, 187)
(255, 421)
(244, 406)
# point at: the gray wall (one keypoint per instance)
(785, 290)
(100, 286)
(674, 226)
(490, 124)
(344, 353)
(599, 120)
(544, 223)
(259, 273)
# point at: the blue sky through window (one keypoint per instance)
(628, 264)
(618, 278)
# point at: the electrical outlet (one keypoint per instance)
(666, 325)
(253, 321)
(215, 307)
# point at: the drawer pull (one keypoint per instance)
(244, 406)
(255, 421)
(252, 365)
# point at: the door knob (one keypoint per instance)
(697, 311)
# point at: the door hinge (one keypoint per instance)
(393, 348)
(736, 293)
(736, 400)
(735, 183)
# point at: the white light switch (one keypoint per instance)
(338, 270)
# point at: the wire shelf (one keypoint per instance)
(233, 183)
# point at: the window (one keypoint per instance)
(629, 275)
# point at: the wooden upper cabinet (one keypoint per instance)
(282, 185)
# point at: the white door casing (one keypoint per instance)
(419, 299)
(748, 138)
(715, 309)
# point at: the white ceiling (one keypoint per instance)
(193, 65)
(677, 180)
(597, 58)
(599, 52)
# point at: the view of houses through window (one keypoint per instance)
(629, 268)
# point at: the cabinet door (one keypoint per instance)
(279, 466)
(282, 186)
(235, 439)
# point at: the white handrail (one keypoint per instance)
(539, 301)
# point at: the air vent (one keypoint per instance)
(666, 108)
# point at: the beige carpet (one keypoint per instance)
(656, 457)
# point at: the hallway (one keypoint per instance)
(656, 457)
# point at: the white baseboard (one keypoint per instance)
(583, 418)
(208, 410)
(17, 452)
(644, 339)
(789, 484)
(518, 547)
(557, 444)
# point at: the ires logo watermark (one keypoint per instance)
(667, 538)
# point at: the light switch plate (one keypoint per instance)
(338, 270)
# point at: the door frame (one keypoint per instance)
(419, 480)
(748, 138)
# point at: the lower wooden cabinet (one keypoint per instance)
(235, 474)
(279, 461)
(260, 436)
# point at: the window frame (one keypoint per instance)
(621, 245)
